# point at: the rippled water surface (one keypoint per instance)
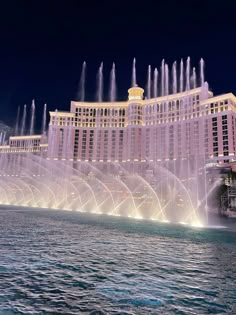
(57, 262)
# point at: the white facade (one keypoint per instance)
(177, 126)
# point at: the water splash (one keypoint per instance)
(100, 83)
(174, 78)
(112, 90)
(32, 118)
(23, 122)
(81, 93)
(134, 81)
(149, 82)
(155, 83)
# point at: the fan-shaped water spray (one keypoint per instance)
(125, 190)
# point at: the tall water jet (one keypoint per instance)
(163, 77)
(17, 121)
(155, 83)
(100, 83)
(166, 79)
(181, 76)
(149, 82)
(112, 91)
(202, 79)
(134, 81)
(194, 78)
(23, 122)
(32, 118)
(81, 92)
(44, 119)
(188, 74)
(174, 78)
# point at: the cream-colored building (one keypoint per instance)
(171, 127)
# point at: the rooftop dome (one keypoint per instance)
(135, 93)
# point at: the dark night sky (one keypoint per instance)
(43, 45)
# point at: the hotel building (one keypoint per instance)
(177, 126)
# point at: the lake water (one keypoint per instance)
(58, 262)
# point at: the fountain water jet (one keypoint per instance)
(181, 77)
(17, 121)
(194, 78)
(188, 74)
(202, 79)
(166, 79)
(81, 92)
(155, 83)
(134, 81)
(163, 77)
(100, 83)
(44, 119)
(23, 122)
(174, 78)
(112, 93)
(149, 83)
(32, 119)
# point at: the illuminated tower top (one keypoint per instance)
(135, 93)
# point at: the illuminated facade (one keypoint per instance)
(172, 127)
(25, 144)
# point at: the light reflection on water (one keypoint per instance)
(58, 262)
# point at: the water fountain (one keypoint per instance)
(32, 118)
(100, 83)
(174, 78)
(147, 190)
(150, 192)
(163, 77)
(188, 74)
(44, 119)
(112, 94)
(181, 78)
(149, 82)
(81, 92)
(17, 121)
(166, 89)
(155, 83)
(134, 81)
(23, 122)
